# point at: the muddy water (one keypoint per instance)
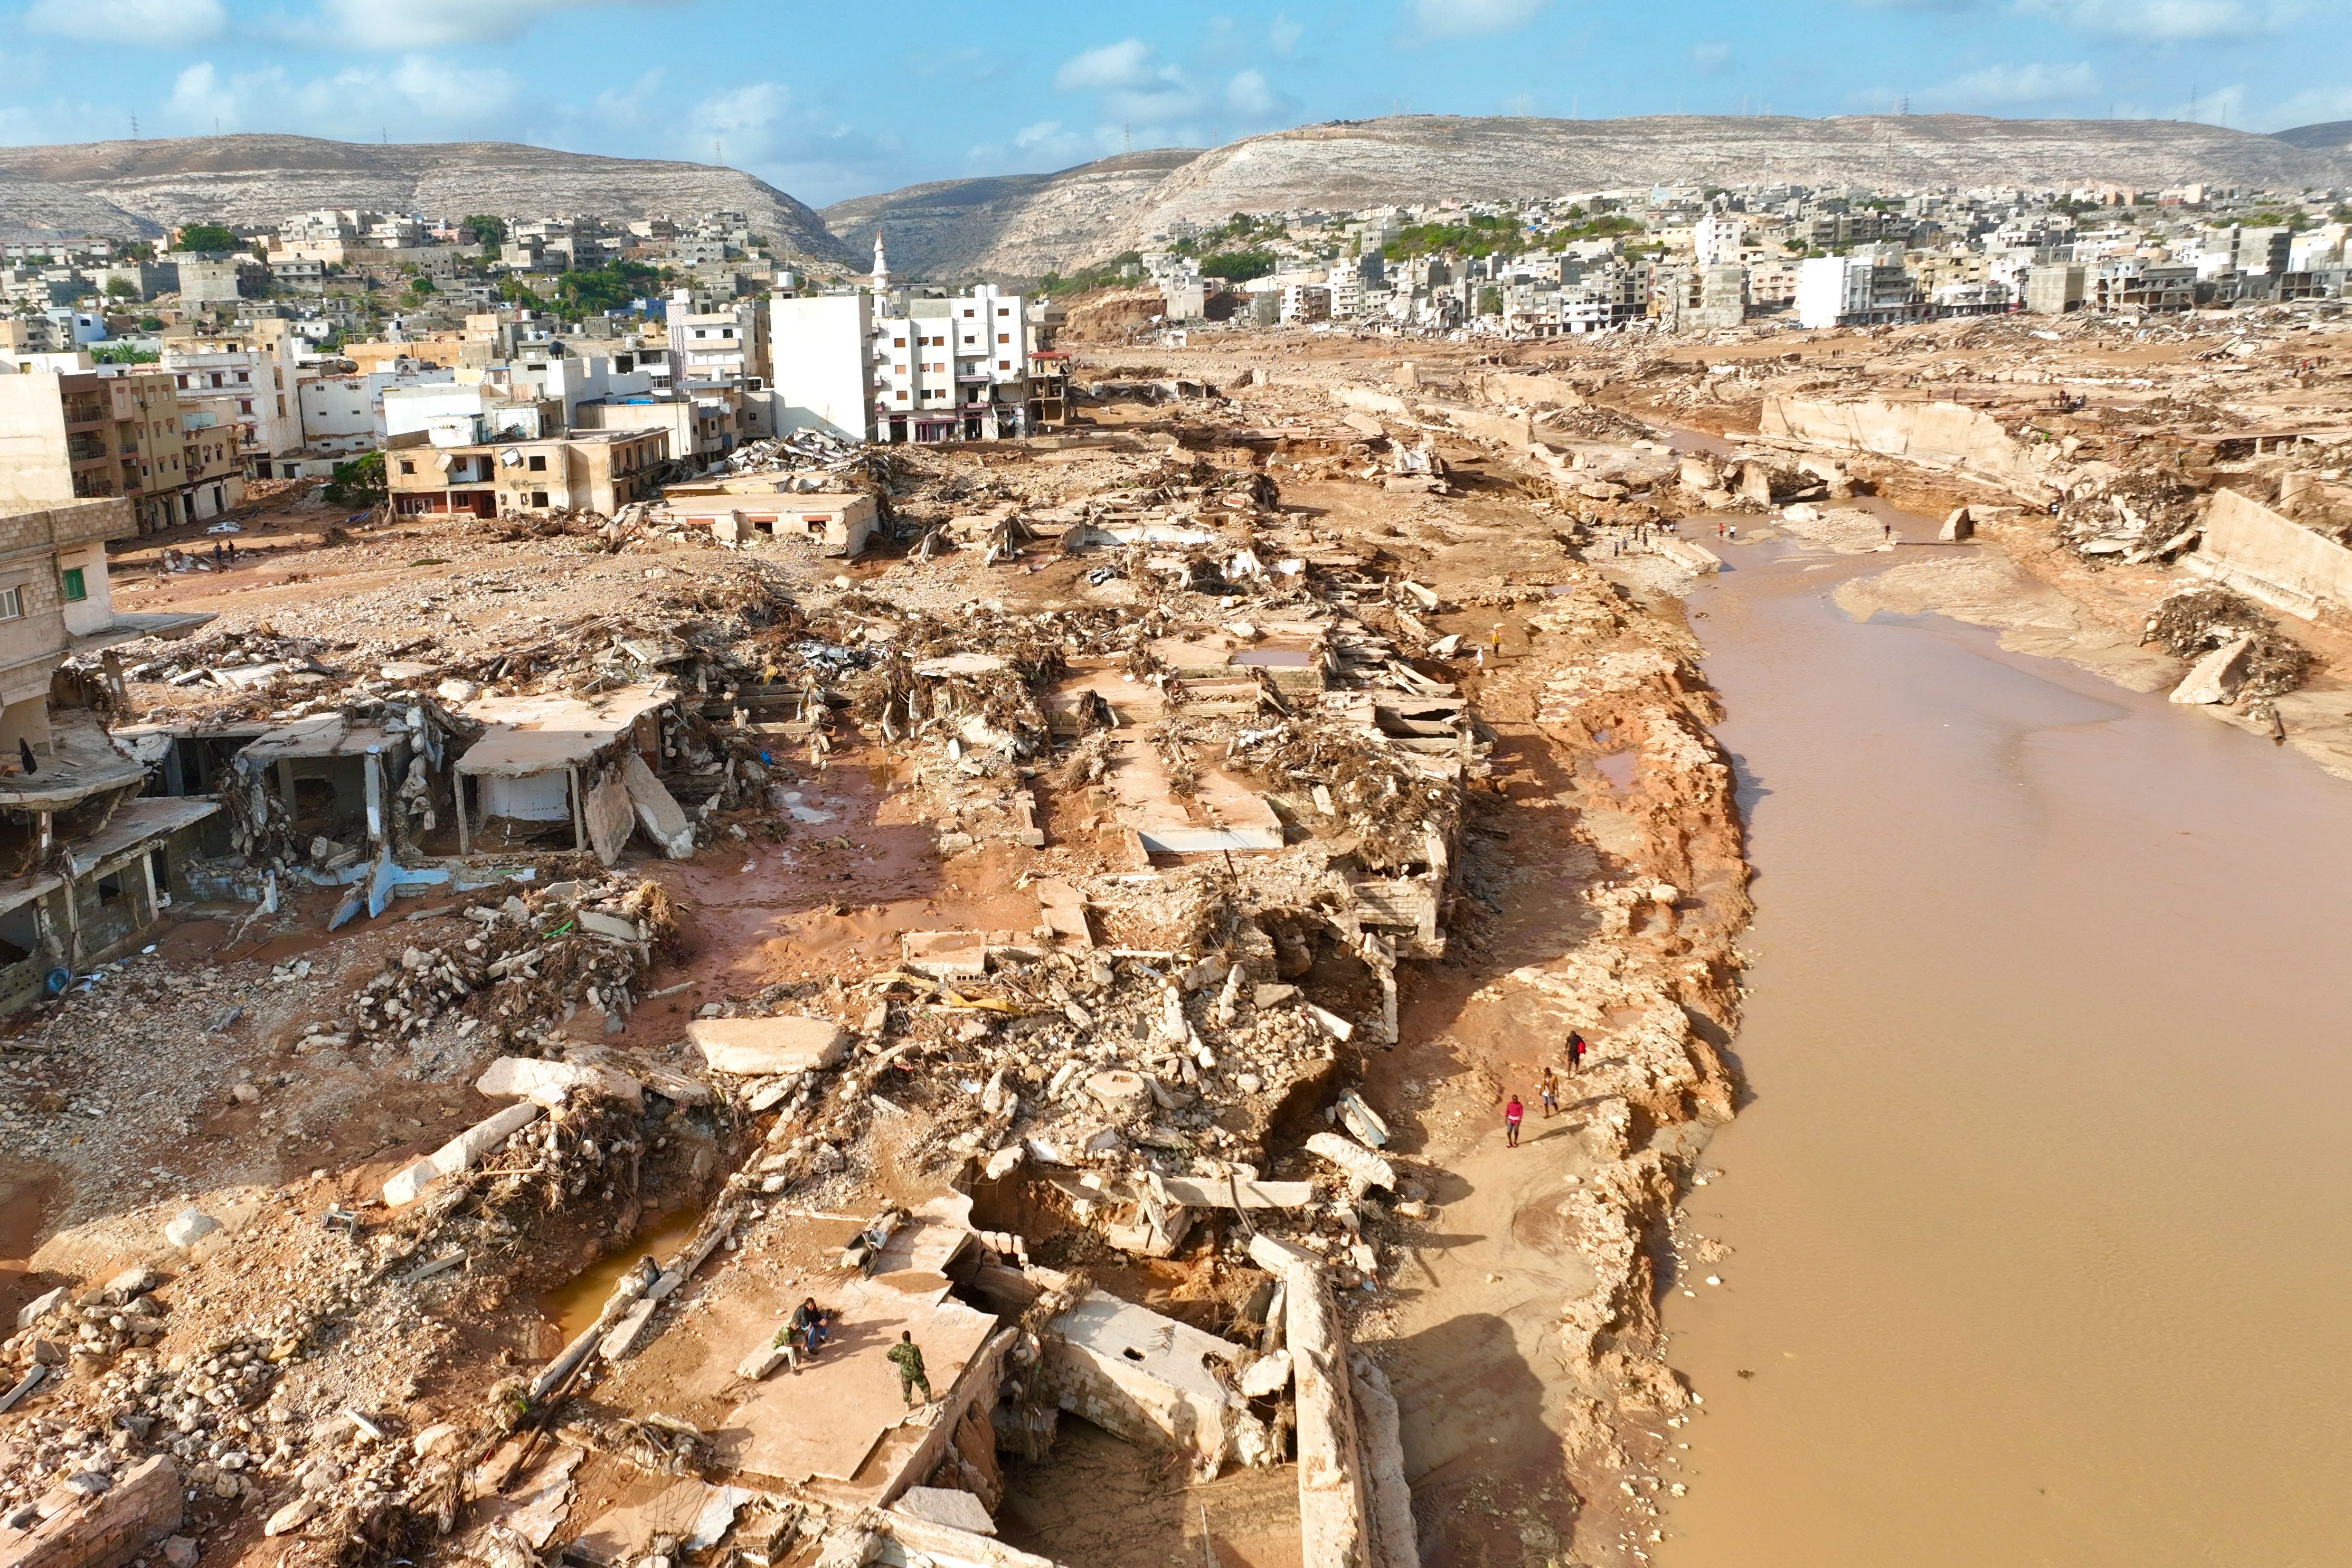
(2043, 1225)
(573, 1306)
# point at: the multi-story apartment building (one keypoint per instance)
(247, 381)
(460, 466)
(951, 369)
(344, 414)
(78, 432)
(85, 864)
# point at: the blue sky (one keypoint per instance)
(838, 101)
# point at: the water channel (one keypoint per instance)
(2041, 1218)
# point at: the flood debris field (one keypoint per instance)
(1091, 932)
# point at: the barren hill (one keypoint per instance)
(1024, 225)
(2335, 136)
(131, 187)
(1021, 225)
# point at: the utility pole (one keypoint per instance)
(134, 128)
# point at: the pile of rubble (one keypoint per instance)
(536, 957)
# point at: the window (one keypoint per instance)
(1004, 364)
(12, 604)
(407, 468)
(244, 375)
(967, 315)
(539, 498)
(539, 462)
(73, 585)
(1004, 337)
(897, 342)
(902, 397)
(1005, 309)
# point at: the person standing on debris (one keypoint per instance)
(1513, 1114)
(907, 1357)
(1887, 530)
(1575, 1051)
(1550, 1094)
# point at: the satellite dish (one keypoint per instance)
(511, 457)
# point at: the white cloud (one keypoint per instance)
(628, 106)
(1248, 96)
(1466, 18)
(436, 24)
(2004, 87)
(2167, 21)
(1282, 34)
(761, 127)
(1126, 66)
(419, 93)
(154, 24)
(1712, 59)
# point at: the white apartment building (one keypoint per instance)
(951, 370)
(1717, 238)
(821, 348)
(344, 414)
(893, 368)
(247, 380)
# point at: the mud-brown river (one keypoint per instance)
(2042, 1208)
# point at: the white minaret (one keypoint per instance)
(881, 266)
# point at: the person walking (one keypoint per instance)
(907, 1357)
(1575, 1051)
(1513, 1114)
(1550, 1094)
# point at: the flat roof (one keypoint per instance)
(320, 735)
(525, 735)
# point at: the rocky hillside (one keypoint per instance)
(1419, 157)
(1021, 225)
(132, 187)
(1015, 225)
(2336, 137)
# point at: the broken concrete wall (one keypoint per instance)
(75, 1531)
(1542, 390)
(2264, 556)
(1334, 1515)
(1146, 1378)
(1380, 1437)
(1935, 434)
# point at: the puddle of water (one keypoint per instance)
(2041, 1210)
(573, 1306)
(1617, 767)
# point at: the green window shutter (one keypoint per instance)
(75, 586)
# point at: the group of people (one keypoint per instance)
(811, 1326)
(1547, 1090)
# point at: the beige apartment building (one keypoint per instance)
(86, 866)
(86, 433)
(586, 470)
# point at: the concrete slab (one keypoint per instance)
(753, 1047)
(825, 1422)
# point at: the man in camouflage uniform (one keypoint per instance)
(907, 1357)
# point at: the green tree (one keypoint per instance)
(208, 236)
(1238, 266)
(420, 286)
(591, 290)
(121, 353)
(121, 288)
(485, 229)
(358, 483)
(151, 324)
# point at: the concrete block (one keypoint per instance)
(753, 1047)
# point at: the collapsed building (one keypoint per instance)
(1255, 744)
